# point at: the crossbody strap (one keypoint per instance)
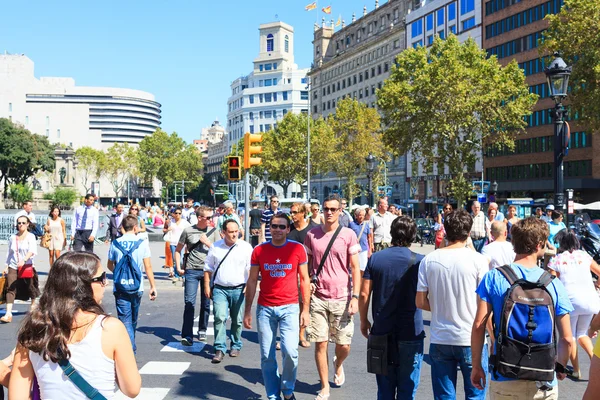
(364, 224)
(326, 253)
(192, 247)
(78, 380)
(219, 266)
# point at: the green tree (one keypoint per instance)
(92, 165)
(440, 104)
(62, 197)
(120, 164)
(575, 33)
(19, 193)
(23, 153)
(357, 130)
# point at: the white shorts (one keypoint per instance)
(363, 259)
(580, 324)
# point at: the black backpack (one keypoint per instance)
(526, 342)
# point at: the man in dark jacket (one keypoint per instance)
(114, 223)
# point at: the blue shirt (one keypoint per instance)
(394, 285)
(127, 241)
(554, 229)
(494, 285)
(364, 240)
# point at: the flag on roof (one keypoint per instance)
(311, 6)
(339, 21)
(326, 10)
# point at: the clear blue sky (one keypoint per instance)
(185, 52)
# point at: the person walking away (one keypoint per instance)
(280, 264)
(228, 263)
(391, 278)
(511, 219)
(21, 276)
(500, 251)
(301, 228)
(335, 286)
(265, 220)
(364, 236)
(381, 222)
(127, 297)
(227, 215)
(114, 223)
(572, 266)
(479, 232)
(197, 239)
(315, 215)
(448, 278)
(526, 371)
(56, 226)
(85, 225)
(84, 338)
(173, 229)
(255, 216)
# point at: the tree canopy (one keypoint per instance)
(92, 165)
(441, 103)
(575, 33)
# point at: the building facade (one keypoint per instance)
(354, 62)
(511, 30)
(275, 86)
(217, 148)
(463, 18)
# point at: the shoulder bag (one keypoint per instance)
(78, 380)
(212, 285)
(364, 224)
(187, 254)
(382, 351)
(325, 254)
(26, 271)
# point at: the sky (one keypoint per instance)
(185, 52)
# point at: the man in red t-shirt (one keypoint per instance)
(279, 264)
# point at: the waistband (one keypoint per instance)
(230, 287)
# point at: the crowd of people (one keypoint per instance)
(497, 287)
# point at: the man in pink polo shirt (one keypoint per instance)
(334, 295)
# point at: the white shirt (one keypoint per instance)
(451, 277)
(234, 270)
(185, 213)
(499, 253)
(30, 215)
(382, 225)
(18, 251)
(91, 221)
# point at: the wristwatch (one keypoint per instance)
(355, 296)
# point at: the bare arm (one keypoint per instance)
(110, 265)
(305, 292)
(21, 376)
(207, 276)
(356, 278)
(143, 226)
(250, 293)
(178, 257)
(128, 378)
(484, 310)
(422, 301)
(563, 324)
(363, 307)
(150, 276)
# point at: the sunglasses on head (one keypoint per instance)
(101, 279)
(277, 226)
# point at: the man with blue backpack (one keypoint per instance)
(528, 307)
(126, 256)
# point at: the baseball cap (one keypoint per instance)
(196, 204)
(550, 207)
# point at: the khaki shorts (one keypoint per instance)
(330, 319)
(520, 390)
(381, 246)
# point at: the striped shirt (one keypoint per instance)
(478, 230)
(266, 219)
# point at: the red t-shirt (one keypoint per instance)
(279, 272)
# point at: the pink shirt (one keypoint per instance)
(334, 280)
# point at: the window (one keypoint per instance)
(267, 127)
(268, 67)
(47, 132)
(47, 122)
(360, 93)
(251, 99)
(367, 91)
(468, 24)
(417, 44)
(251, 114)
(386, 67)
(268, 82)
(286, 45)
(285, 95)
(261, 83)
(451, 11)
(274, 81)
(268, 114)
(260, 67)
(366, 74)
(452, 29)
(429, 40)
(466, 6)
(379, 69)
(58, 133)
(27, 120)
(268, 97)
(9, 107)
(260, 98)
(304, 95)
(417, 28)
(440, 17)
(442, 34)
(285, 110)
(274, 65)
(429, 22)
(270, 42)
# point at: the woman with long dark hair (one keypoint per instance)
(69, 323)
(55, 225)
(21, 276)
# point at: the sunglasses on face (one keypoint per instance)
(295, 212)
(274, 201)
(330, 209)
(448, 208)
(100, 279)
(277, 226)
(206, 217)
(22, 223)
(177, 213)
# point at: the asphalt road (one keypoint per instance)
(168, 372)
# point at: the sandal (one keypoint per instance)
(321, 396)
(339, 380)
(304, 343)
(6, 319)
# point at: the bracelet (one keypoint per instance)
(355, 296)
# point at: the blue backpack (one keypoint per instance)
(127, 276)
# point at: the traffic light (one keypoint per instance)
(250, 151)
(233, 170)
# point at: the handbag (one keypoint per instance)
(26, 271)
(45, 240)
(78, 380)
(3, 287)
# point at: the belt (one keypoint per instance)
(85, 230)
(230, 287)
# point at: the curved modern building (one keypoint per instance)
(74, 115)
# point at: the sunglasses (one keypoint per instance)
(274, 201)
(101, 279)
(447, 208)
(277, 226)
(330, 209)
(296, 212)
(207, 217)
(178, 213)
(22, 223)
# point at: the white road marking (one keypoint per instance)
(146, 394)
(164, 368)
(196, 347)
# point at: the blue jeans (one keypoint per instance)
(267, 320)
(128, 307)
(193, 279)
(403, 381)
(228, 301)
(478, 244)
(173, 247)
(444, 361)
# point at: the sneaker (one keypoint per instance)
(202, 336)
(187, 341)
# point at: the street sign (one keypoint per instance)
(482, 197)
(384, 191)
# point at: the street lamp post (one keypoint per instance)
(214, 183)
(266, 179)
(557, 76)
(370, 168)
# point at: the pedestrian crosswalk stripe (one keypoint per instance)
(196, 347)
(146, 394)
(164, 368)
(210, 331)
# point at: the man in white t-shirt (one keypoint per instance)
(448, 278)
(26, 211)
(500, 252)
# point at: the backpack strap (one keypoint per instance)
(130, 251)
(545, 279)
(509, 274)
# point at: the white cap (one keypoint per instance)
(550, 207)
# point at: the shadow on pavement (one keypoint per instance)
(167, 335)
(251, 336)
(201, 385)
(251, 375)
